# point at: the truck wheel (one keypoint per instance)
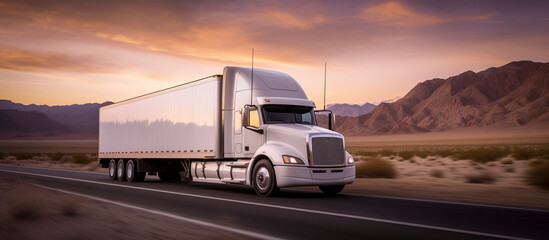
(331, 190)
(169, 176)
(112, 170)
(264, 179)
(120, 170)
(131, 173)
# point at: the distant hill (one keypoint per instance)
(515, 94)
(15, 123)
(29, 120)
(350, 110)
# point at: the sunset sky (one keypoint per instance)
(66, 52)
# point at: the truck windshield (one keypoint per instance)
(273, 114)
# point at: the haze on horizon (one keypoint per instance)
(65, 52)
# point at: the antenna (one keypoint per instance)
(252, 84)
(325, 66)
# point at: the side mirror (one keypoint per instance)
(250, 118)
(330, 118)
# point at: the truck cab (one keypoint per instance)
(274, 125)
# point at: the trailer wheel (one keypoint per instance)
(331, 190)
(120, 170)
(264, 179)
(112, 169)
(130, 171)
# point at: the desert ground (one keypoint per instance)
(422, 174)
(31, 212)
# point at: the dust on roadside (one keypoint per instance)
(31, 212)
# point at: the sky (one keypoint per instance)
(75, 52)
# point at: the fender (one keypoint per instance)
(273, 151)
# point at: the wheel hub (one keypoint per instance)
(263, 178)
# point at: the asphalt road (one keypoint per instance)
(299, 214)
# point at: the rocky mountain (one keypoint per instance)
(29, 120)
(350, 110)
(515, 94)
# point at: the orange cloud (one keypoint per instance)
(285, 19)
(397, 14)
(21, 60)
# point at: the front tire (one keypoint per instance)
(331, 190)
(264, 179)
(120, 172)
(112, 170)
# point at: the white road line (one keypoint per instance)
(285, 208)
(170, 215)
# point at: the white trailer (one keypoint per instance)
(217, 129)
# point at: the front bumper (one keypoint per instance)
(293, 176)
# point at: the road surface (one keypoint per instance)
(300, 214)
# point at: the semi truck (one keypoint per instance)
(248, 126)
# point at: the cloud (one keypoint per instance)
(400, 14)
(285, 19)
(23, 61)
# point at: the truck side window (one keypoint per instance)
(254, 118)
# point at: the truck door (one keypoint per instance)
(251, 136)
(238, 131)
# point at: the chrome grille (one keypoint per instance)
(327, 151)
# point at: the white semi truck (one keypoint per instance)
(247, 126)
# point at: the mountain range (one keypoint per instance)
(512, 95)
(516, 94)
(355, 110)
(18, 120)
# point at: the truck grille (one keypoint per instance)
(327, 151)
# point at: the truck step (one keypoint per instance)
(240, 182)
(238, 164)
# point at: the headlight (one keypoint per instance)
(291, 160)
(350, 160)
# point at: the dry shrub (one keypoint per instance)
(406, 155)
(23, 156)
(81, 158)
(491, 164)
(387, 152)
(437, 173)
(482, 154)
(444, 153)
(481, 177)
(534, 162)
(520, 153)
(375, 168)
(506, 161)
(56, 156)
(66, 159)
(539, 175)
